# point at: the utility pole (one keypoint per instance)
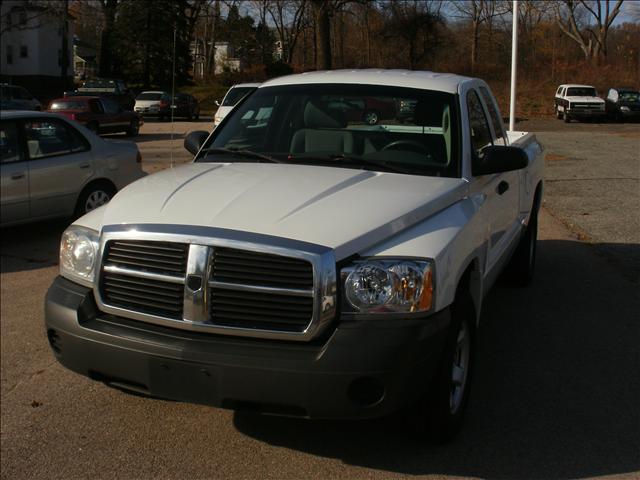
(514, 66)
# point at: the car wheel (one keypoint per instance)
(558, 113)
(522, 265)
(94, 127)
(566, 118)
(94, 196)
(134, 128)
(371, 117)
(438, 416)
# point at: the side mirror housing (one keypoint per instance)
(195, 140)
(498, 159)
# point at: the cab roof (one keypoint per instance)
(444, 82)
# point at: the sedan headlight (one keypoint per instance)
(79, 249)
(388, 286)
(624, 108)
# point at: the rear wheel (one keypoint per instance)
(94, 196)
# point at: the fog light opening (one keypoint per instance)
(366, 391)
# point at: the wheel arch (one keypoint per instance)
(94, 183)
(470, 282)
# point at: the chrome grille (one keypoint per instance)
(218, 281)
(143, 295)
(158, 257)
(255, 268)
(242, 309)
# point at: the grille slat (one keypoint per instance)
(264, 269)
(157, 257)
(145, 295)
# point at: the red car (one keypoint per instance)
(100, 115)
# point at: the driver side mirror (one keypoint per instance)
(498, 159)
(195, 140)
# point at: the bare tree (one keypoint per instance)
(31, 14)
(289, 19)
(590, 34)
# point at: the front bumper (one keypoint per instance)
(586, 113)
(360, 369)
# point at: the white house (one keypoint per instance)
(31, 41)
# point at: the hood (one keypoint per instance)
(585, 99)
(345, 209)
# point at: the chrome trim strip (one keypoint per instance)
(240, 287)
(321, 258)
(195, 300)
(142, 274)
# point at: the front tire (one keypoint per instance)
(558, 113)
(523, 263)
(438, 416)
(133, 129)
(566, 118)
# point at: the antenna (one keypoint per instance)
(173, 89)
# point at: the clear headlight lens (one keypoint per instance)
(388, 286)
(624, 108)
(79, 248)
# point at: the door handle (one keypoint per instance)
(17, 175)
(502, 187)
(84, 165)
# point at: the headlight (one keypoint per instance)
(388, 286)
(624, 108)
(78, 254)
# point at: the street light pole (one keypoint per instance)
(514, 66)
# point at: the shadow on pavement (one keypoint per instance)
(31, 246)
(556, 392)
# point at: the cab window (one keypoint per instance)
(478, 124)
(495, 117)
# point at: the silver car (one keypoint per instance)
(54, 167)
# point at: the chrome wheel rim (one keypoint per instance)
(460, 368)
(96, 199)
(371, 118)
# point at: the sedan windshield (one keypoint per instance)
(150, 96)
(352, 126)
(236, 94)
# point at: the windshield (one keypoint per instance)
(68, 105)
(630, 96)
(149, 96)
(99, 84)
(234, 95)
(581, 92)
(353, 126)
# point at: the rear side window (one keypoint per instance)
(478, 124)
(495, 118)
(9, 145)
(95, 106)
(68, 105)
(48, 138)
(110, 106)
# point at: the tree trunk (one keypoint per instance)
(323, 34)
(109, 8)
(474, 46)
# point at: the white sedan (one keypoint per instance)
(54, 167)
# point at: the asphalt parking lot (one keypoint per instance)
(555, 394)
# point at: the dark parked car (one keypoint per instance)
(622, 104)
(100, 115)
(13, 97)
(186, 105)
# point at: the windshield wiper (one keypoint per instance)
(241, 153)
(361, 160)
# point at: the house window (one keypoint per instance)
(22, 18)
(24, 51)
(9, 54)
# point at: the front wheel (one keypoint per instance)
(558, 113)
(523, 263)
(566, 118)
(133, 129)
(438, 416)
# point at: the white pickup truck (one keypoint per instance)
(309, 262)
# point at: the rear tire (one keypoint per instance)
(93, 196)
(438, 416)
